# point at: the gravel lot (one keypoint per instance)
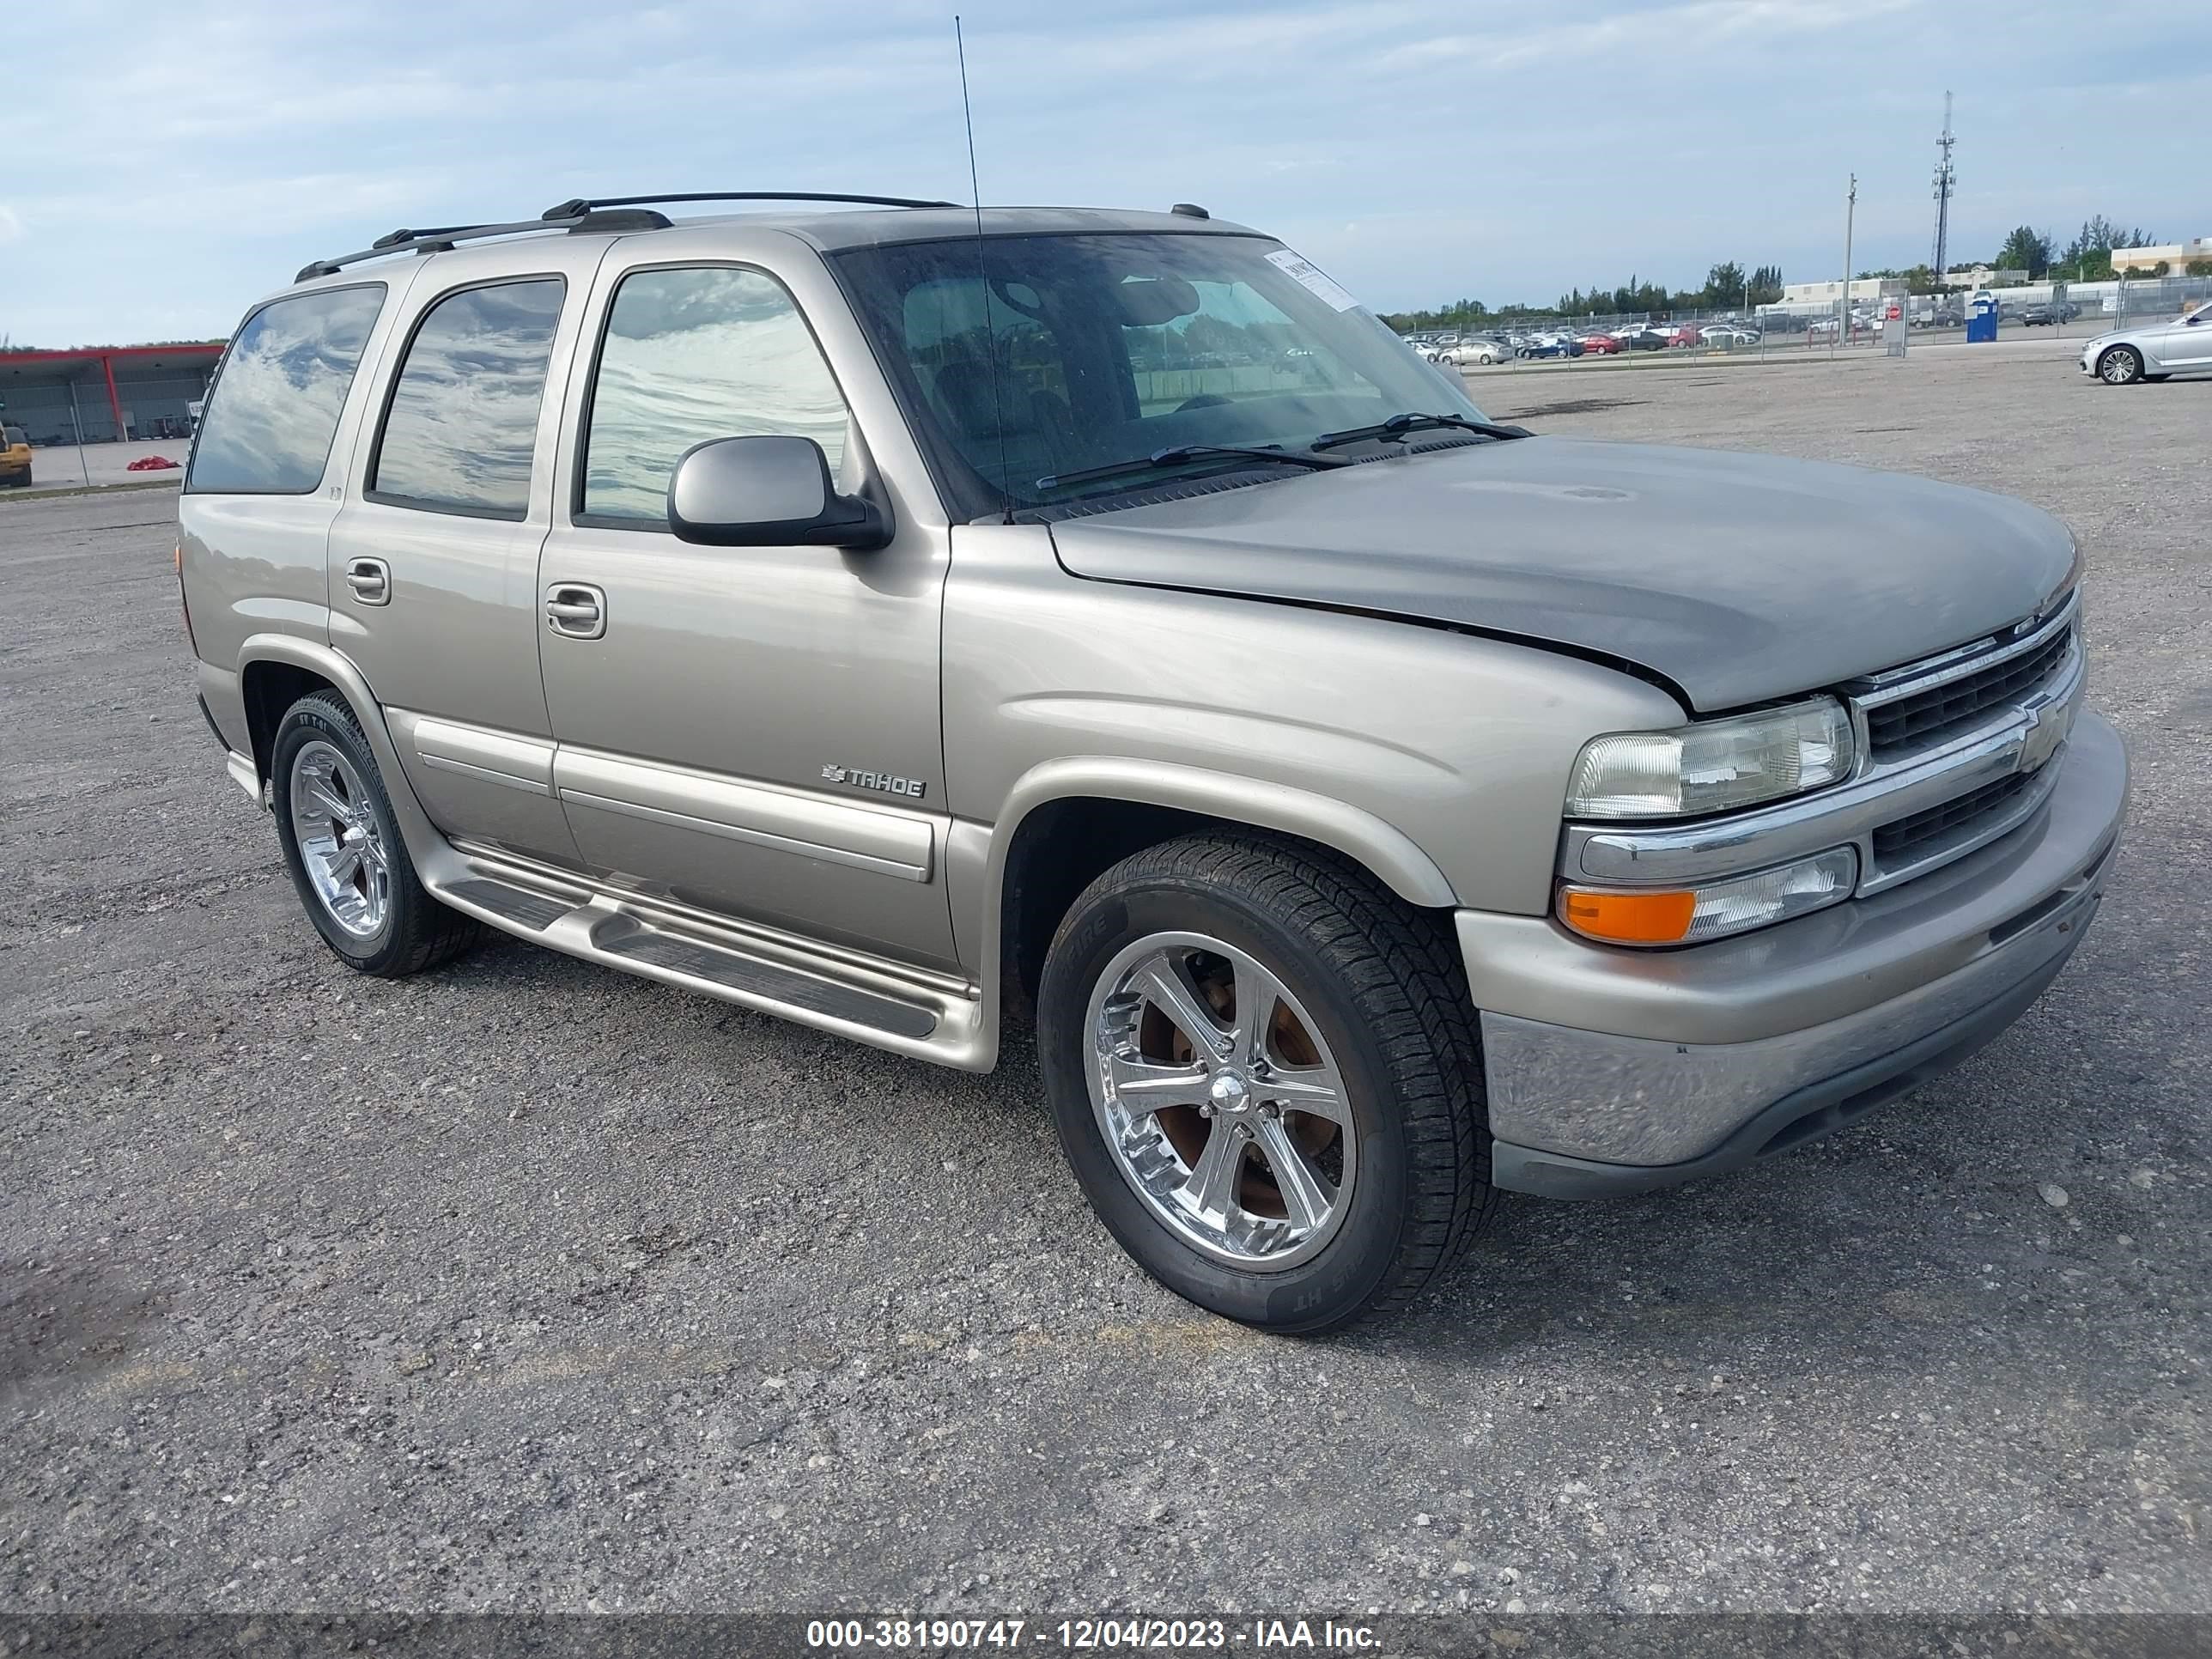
(525, 1285)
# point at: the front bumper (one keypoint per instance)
(1614, 1071)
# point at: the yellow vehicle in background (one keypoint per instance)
(15, 457)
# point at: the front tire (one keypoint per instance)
(2120, 366)
(1264, 1072)
(344, 851)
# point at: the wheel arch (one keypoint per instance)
(275, 670)
(2128, 348)
(1067, 820)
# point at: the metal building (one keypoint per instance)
(106, 393)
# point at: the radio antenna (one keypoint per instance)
(983, 274)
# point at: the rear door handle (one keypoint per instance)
(370, 579)
(576, 611)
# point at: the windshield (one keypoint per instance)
(1112, 348)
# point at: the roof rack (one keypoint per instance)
(606, 213)
(576, 207)
(435, 241)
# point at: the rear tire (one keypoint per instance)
(1316, 987)
(343, 851)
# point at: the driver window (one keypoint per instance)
(691, 355)
(1019, 407)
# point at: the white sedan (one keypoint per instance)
(2152, 351)
(1466, 353)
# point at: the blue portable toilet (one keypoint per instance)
(1982, 318)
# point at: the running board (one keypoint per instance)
(885, 1004)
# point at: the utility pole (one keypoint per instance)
(1945, 178)
(1851, 214)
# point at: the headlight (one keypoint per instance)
(1713, 766)
(1632, 915)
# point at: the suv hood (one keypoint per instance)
(1738, 578)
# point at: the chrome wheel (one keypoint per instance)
(341, 844)
(1219, 1101)
(2118, 367)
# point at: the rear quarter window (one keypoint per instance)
(275, 406)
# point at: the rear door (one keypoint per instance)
(433, 559)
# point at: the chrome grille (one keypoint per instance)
(1956, 705)
(1895, 843)
(1916, 718)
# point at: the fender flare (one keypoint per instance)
(1381, 847)
(416, 829)
(1385, 851)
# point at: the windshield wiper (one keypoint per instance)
(1179, 453)
(1399, 426)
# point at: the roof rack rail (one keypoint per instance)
(441, 237)
(576, 207)
(435, 241)
(606, 213)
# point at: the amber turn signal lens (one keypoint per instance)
(1629, 918)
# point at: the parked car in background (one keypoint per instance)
(2152, 351)
(1477, 350)
(1687, 335)
(1728, 334)
(1646, 338)
(1552, 345)
(1602, 345)
(2041, 317)
(15, 458)
(1822, 328)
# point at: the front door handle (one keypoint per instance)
(576, 611)
(370, 579)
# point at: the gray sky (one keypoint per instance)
(166, 165)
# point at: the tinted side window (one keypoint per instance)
(694, 355)
(270, 420)
(464, 416)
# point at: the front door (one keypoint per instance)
(2188, 342)
(750, 731)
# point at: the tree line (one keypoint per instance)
(1727, 285)
(2088, 258)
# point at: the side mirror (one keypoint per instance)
(767, 492)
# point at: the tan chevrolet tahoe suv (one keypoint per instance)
(921, 623)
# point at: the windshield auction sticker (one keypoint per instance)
(1311, 275)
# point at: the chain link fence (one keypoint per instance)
(2082, 309)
